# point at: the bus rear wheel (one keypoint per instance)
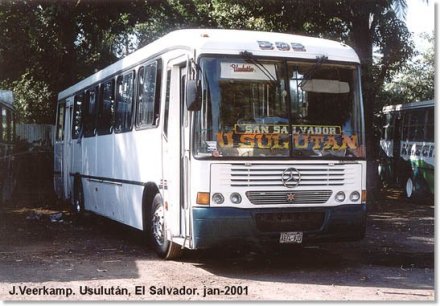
(78, 197)
(162, 246)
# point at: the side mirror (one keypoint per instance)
(193, 99)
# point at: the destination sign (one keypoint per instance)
(284, 129)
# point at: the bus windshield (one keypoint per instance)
(276, 108)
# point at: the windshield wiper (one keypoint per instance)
(248, 56)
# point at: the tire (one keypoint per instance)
(410, 188)
(162, 246)
(78, 197)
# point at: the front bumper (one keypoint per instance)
(216, 226)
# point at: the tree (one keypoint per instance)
(414, 81)
(61, 42)
(55, 44)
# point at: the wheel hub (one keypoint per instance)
(158, 225)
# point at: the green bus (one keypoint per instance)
(408, 148)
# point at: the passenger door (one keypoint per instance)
(67, 150)
(173, 150)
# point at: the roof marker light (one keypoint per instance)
(282, 46)
(265, 45)
(298, 47)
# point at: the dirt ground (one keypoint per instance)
(47, 254)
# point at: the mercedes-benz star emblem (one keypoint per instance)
(291, 177)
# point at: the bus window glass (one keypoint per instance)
(148, 109)
(388, 129)
(124, 102)
(77, 116)
(405, 130)
(167, 104)
(246, 105)
(429, 130)
(416, 124)
(60, 123)
(106, 111)
(90, 108)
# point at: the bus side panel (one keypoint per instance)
(88, 146)
(106, 193)
(75, 163)
(140, 158)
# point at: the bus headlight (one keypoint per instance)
(355, 196)
(235, 198)
(218, 198)
(340, 196)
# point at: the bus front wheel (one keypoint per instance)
(409, 188)
(163, 247)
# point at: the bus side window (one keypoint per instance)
(416, 125)
(106, 110)
(77, 116)
(124, 102)
(167, 104)
(405, 130)
(90, 107)
(388, 130)
(148, 96)
(60, 123)
(429, 129)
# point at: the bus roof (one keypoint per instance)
(406, 106)
(232, 42)
(6, 98)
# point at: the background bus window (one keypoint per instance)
(429, 130)
(388, 126)
(77, 116)
(148, 96)
(106, 110)
(124, 102)
(60, 123)
(90, 107)
(416, 124)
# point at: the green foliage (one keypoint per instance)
(34, 102)
(414, 81)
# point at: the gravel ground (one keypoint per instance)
(47, 254)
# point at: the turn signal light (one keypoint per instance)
(364, 196)
(202, 198)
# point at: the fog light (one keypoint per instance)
(235, 198)
(355, 196)
(218, 198)
(340, 196)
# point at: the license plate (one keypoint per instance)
(291, 237)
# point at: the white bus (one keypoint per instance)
(407, 147)
(207, 137)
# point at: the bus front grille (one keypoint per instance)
(270, 175)
(289, 197)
